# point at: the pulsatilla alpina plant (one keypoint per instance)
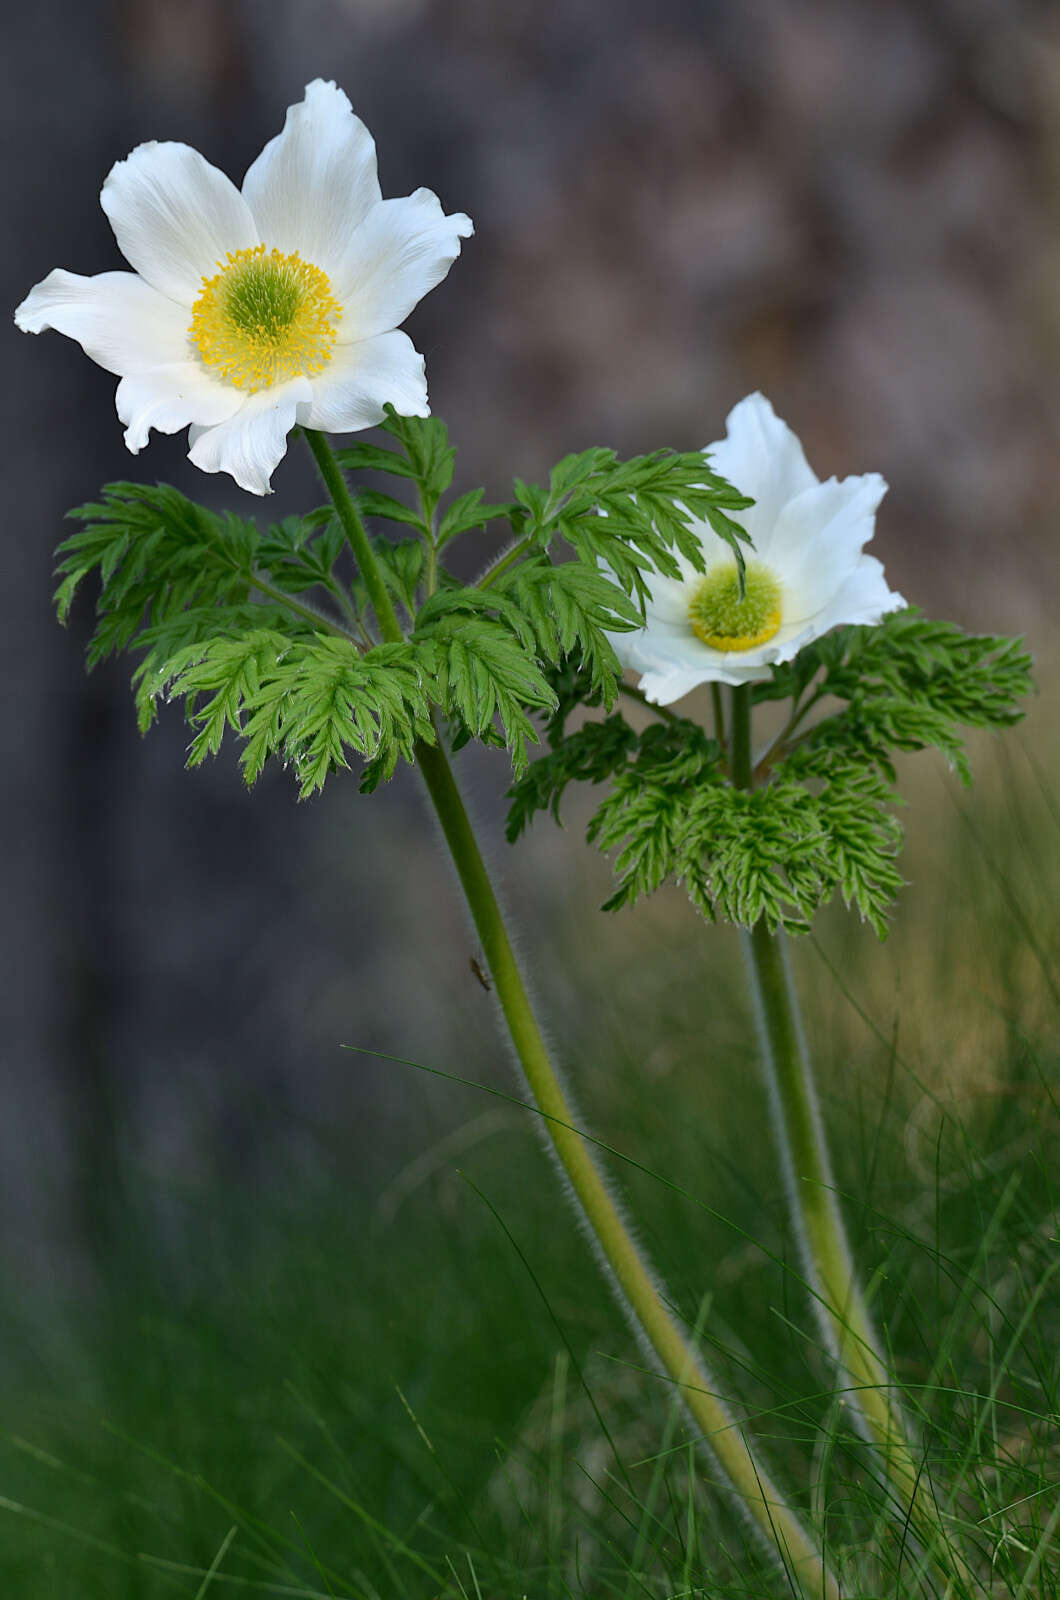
(764, 837)
(318, 641)
(772, 834)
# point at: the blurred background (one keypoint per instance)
(853, 207)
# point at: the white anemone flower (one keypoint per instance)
(250, 311)
(807, 571)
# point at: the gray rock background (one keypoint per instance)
(855, 207)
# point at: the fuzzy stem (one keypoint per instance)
(637, 1290)
(354, 528)
(719, 713)
(636, 1287)
(842, 1311)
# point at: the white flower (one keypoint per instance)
(807, 572)
(250, 312)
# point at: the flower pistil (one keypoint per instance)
(265, 318)
(725, 621)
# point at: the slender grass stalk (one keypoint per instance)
(839, 1300)
(637, 1290)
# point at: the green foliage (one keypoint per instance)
(401, 562)
(910, 684)
(570, 609)
(271, 635)
(596, 752)
(157, 554)
(820, 818)
(308, 701)
(300, 553)
(630, 515)
(425, 456)
(778, 852)
(476, 653)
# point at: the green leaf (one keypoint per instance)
(157, 553)
(455, 599)
(307, 701)
(469, 511)
(571, 608)
(176, 636)
(632, 516)
(220, 678)
(909, 683)
(776, 853)
(372, 504)
(425, 441)
(300, 553)
(476, 669)
(374, 704)
(401, 563)
(373, 458)
(594, 753)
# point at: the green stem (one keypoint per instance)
(779, 746)
(719, 714)
(740, 736)
(430, 576)
(502, 562)
(840, 1304)
(637, 1289)
(320, 620)
(356, 533)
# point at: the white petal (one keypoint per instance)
(864, 597)
(668, 605)
(175, 217)
(116, 318)
(169, 397)
(761, 457)
(820, 534)
(313, 184)
(361, 378)
(673, 664)
(663, 687)
(813, 536)
(251, 444)
(401, 250)
(668, 681)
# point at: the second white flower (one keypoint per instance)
(807, 573)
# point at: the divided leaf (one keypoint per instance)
(479, 669)
(822, 821)
(157, 554)
(469, 511)
(631, 515)
(307, 701)
(571, 608)
(909, 683)
(300, 553)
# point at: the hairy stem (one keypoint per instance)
(353, 527)
(780, 746)
(501, 563)
(320, 619)
(719, 713)
(636, 1287)
(840, 1304)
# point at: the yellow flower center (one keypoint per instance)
(265, 318)
(721, 619)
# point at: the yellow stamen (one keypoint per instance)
(721, 619)
(265, 318)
